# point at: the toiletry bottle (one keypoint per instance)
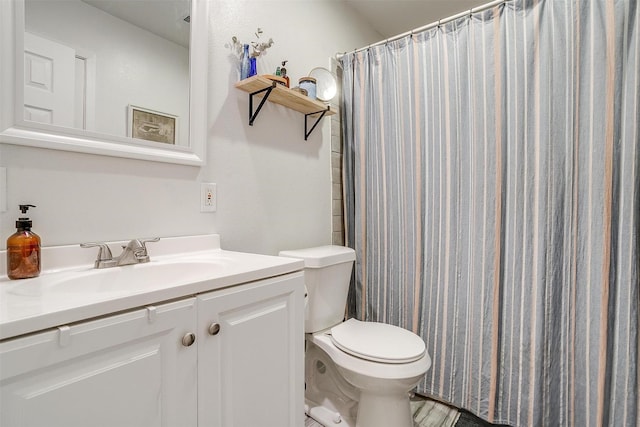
(278, 72)
(245, 63)
(283, 73)
(308, 84)
(253, 66)
(23, 249)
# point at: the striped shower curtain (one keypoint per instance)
(492, 195)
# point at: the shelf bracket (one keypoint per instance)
(252, 114)
(306, 116)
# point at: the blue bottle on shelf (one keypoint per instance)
(253, 69)
(244, 65)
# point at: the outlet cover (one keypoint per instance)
(208, 197)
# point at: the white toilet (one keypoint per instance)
(357, 374)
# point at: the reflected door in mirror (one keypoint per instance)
(49, 70)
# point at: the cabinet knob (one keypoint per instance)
(214, 328)
(188, 339)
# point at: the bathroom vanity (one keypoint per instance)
(197, 336)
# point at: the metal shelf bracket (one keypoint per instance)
(252, 114)
(306, 116)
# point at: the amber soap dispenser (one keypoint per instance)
(23, 249)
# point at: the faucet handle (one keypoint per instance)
(104, 253)
(153, 239)
(143, 242)
(140, 252)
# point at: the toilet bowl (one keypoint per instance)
(383, 383)
(357, 374)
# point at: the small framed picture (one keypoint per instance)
(152, 125)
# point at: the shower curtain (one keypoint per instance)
(492, 195)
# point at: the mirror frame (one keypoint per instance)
(15, 130)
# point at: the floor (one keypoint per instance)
(309, 422)
(429, 413)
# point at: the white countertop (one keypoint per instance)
(31, 305)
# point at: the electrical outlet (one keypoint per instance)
(208, 197)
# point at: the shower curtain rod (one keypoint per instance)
(428, 26)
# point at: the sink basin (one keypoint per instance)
(126, 279)
(69, 289)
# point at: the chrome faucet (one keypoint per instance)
(135, 252)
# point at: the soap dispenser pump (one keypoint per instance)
(23, 249)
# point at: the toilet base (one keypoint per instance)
(373, 410)
(388, 410)
(326, 416)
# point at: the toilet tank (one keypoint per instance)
(327, 274)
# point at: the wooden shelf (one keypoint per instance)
(282, 95)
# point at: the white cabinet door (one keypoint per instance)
(130, 369)
(251, 364)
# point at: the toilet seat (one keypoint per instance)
(377, 342)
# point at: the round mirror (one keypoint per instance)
(326, 86)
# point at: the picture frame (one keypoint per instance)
(151, 125)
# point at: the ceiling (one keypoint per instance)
(165, 20)
(393, 17)
(387, 17)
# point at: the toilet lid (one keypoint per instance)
(377, 342)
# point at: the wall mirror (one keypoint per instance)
(108, 77)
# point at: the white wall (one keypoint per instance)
(274, 188)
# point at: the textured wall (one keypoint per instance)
(274, 189)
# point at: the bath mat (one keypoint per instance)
(429, 413)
